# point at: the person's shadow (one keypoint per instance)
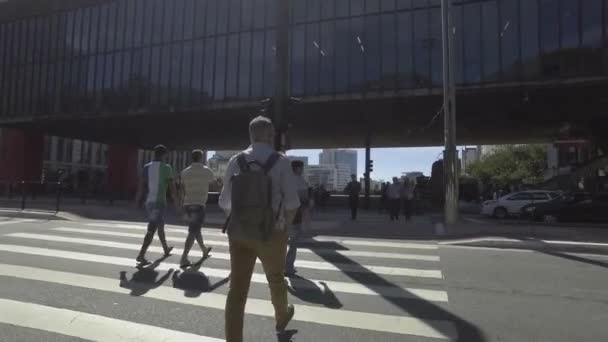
(193, 282)
(144, 279)
(308, 291)
(286, 336)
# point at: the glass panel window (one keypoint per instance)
(327, 9)
(489, 21)
(529, 39)
(207, 9)
(244, 65)
(220, 68)
(372, 6)
(259, 8)
(472, 43)
(435, 45)
(592, 22)
(196, 71)
(341, 68)
(222, 16)
(388, 50)
(405, 49)
(257, 65)
(298, 60)
(269, 63)
(569, 23)
(357, 43)
(247, 15)
(313, 10)
(357, 7)
(509, 39)
(373, 62)
(178, 19)
(168, 20)
(234, 15)
(343, 8)
(326, 58)
(209, 69)
(422, 47)
(388, 5)
(232, 66)
(549, 25)
(312, 59)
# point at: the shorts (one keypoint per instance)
(196, 217)
(156, 212)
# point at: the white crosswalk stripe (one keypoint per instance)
(350, 319)
(348, 253)
(103, 244)
(431, 295)
(396, 271)
(87, 326)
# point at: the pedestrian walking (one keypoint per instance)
(383, 198)
(296, 229)
(157, 177)
(394, 199)
(259, 196)
(195, 182)
(353, 189)
(408, 199)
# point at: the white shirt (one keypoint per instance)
(302, 186)
(284, 185)
(196, 179)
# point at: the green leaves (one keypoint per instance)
(511, 164)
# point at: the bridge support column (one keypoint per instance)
(21, 155)
(122, 172)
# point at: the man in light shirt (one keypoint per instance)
(394, 193)
(271, 252)
(195, 190)
(295, 230)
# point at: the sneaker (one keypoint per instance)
(206, 252)
(291, 310)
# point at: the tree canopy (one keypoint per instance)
(511, 164)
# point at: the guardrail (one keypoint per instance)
(32, 189)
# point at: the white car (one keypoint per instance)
(512, 204)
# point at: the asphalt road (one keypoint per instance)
(73, 281)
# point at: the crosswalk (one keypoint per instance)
(346, 288)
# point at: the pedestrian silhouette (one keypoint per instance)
(308, 291)
(144, 279)
(194, 282)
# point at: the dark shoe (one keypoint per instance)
(141, 261)
(185, 264)
(290, 312)
(168, 251)
(206, 252)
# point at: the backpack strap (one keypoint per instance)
(272, 160)
(242, 161)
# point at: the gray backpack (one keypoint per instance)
(252, 213)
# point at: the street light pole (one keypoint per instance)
(281, 87)
(450, 155)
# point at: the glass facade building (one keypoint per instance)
(182, 55)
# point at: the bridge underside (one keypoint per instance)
(485, 115)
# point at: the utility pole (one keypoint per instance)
(450, 154)
(281, 91)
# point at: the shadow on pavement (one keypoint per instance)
(308, 291)
(578, 258)
(467, 332)
(193, 282)
(286, 336)
(144, 279)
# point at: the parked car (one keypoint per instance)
(512, 204)
(580, 207)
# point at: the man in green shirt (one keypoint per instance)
(156, 178)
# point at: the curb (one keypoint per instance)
(543, 246)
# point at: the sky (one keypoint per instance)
(388, 162)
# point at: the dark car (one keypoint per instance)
(580, 206)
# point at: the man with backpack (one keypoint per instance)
(260, 196)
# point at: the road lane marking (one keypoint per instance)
(88, 326)
(316, 265)
(368, 243)
(3, 223)
(322, 251)
(342, 318)
(260, 278)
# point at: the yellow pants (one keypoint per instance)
(243, 254)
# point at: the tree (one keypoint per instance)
(511, 164)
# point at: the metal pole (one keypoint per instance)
(58, 202)
(368, 143)
(450, 157)
(23, 194)
(281, 91)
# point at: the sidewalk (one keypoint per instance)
(331, 221)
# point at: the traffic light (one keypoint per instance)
(370, 166)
